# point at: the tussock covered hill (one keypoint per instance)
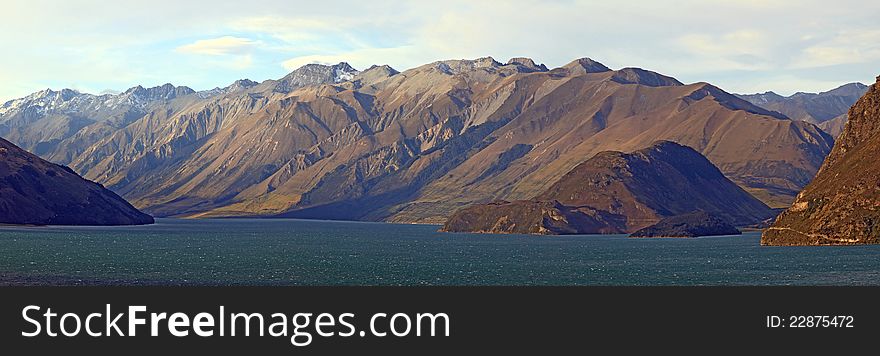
(34, 191)
(616, 192)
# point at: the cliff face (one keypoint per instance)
(616, 192)
(34, 191)
(842, 204)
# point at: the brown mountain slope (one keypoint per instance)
(585, 115)
(834, 127)
(620, 192)
(33, 191)
(842, 204)
(417, 145)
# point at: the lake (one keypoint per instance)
(309, 252)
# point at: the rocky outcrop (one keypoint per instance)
(694, 224)
(36, 192)
(527, 65)
(842, 204)
(621, 192)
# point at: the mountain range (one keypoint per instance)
(826, 109)
(332, 142)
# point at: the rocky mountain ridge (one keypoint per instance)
(417, 145)
(827, 109)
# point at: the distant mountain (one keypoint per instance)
(834, 126)
(814, 108)
(238, 85)
(414, 146)
(60, 125)
(33, 191)
(621, 192)
(842, 204)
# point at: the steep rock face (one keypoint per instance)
(842, 204)
(694, 224)
(417, 145)
(529, 217)
(621, 192)
(33, 191)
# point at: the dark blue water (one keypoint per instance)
(300, 252)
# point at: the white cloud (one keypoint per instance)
(739, 50)
(291, 29)
(226, 45)
(848, 47)
(242, 62)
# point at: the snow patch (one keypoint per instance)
(340, 75)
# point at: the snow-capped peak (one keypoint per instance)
(316, 74)
(69, 100)
(343, 75)
(46, 99)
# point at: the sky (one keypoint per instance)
(744, 46)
